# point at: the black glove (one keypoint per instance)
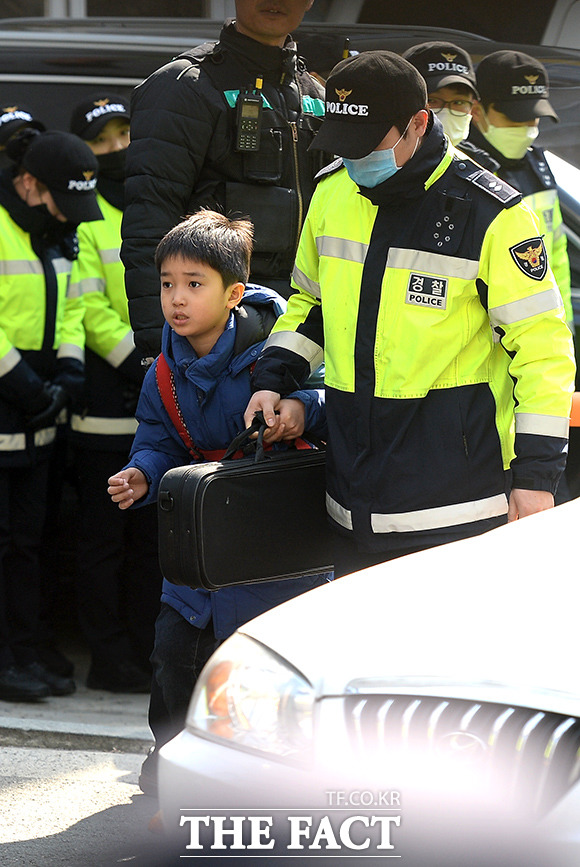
(132, 368)
(70, 375)
(23, 388)
(57, 399)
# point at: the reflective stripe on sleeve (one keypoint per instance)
(121, 351)
(515, 311)
(71, 350)
(91, 424)
(304, 282)
(110, 256)
(432, 263)
(338, 513)
(341, 248)
(542, 425)
(9, 361)
(86, 287)
(298, 343)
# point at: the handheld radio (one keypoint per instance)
(249, 119)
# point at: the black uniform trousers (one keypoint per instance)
(118, 574)
(23, 497)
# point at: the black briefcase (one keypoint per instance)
(231, 522)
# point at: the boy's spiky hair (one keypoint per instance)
(213, 239)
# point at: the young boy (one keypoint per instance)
(210, 343)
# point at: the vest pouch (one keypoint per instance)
(265, 165)
(273, 211)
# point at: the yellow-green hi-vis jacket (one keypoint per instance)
(40, 324)
(448, 358)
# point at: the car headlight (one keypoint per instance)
(252, 698)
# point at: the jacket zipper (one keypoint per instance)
(294, 131)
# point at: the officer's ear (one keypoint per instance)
(419, 123)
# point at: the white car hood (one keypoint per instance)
(493, 618)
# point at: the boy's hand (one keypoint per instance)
(127, 487)
(267, 401)
(291, 418)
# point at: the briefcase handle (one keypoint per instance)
(244, 439)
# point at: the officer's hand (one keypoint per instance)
(523, 503)
(267, 402)
(57, 399)
(291, 415)
(127, 487)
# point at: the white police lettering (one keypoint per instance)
(448, 67)
(346, 108)
(528, 89)
(82, 186)
(15, 115)
(426, 291)
(105, 109)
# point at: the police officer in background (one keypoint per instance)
(12, 119)
(49, 191)
(451, 92)
(118, 578)
(227, 125)
(409, 253)
(450, 78)
(514, 92)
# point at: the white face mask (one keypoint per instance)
(511, 141)
(457, 128)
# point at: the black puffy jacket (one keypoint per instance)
(182, 157)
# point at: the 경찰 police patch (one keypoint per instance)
(531, 258)
(425, 291)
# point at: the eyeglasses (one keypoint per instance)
(457, 107)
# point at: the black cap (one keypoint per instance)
(442, 64)
(517, 85)
(68, 167)
(13, 118)
(365, 96)
(321, 51)
(92, 114)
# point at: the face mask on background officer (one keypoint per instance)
(514, 95)
(102, 121)
(450, 78)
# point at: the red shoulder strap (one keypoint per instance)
(168, 394)
(166, 387)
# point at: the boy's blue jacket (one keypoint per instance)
(213, 393)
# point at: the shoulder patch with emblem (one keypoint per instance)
(329, 169)
(488, 182)
(530, 257)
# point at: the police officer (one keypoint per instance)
(13, 118)
(49, 191)
(118, 578)
(514, 90)
(451, 89)
(227, 126)
(423, 282)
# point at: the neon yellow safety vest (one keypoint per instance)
(445, 344)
